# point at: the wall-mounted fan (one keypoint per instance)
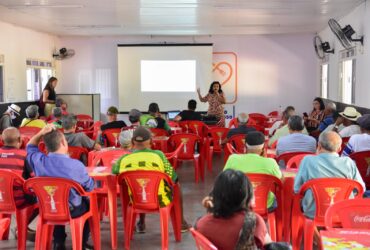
(344, 34)
(321, 48)
(63, 53)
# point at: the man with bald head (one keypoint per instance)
(327, 164)
(242, 126)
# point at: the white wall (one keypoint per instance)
(272, 70)
(359, 19)
(18, 44)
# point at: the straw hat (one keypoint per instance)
(15, 108)
(350, 113)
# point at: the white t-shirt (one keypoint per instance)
(350, 130)
(274, 127)
(357, 143)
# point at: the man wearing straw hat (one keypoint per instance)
(348, 119)
(9, 115)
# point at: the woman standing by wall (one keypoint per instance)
(48, 97)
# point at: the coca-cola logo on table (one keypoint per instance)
(362, 219)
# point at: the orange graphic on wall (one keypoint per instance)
(225, 69)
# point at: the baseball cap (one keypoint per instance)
(141, 134)
(364, 121)
(134, 113)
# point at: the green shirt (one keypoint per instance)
(253, 163)
(150, 121)
(283, 131)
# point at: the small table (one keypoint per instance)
(161, 141)
(345, 239)
(105, 175)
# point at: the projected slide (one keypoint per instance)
(168, 75)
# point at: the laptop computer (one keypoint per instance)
(172, 114)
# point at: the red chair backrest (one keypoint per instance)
(198, 128)
(259, 128)
(353, 213)
(108, 158)
(189, 141)
(362, 160)
(25, 140)
(83, 117)
(344, 143)
(77, 152)
(7, 180)
(285, 157)
(327, 191)
(185, 126)
(144, 185)
(274, 113)
(111, 137)
(229, 150)
(173, 124)
(42, 147)
(234, 122)
(201, 241)
(158, 132)
(259, 118)
(238, 141)
(84, 121)
(28, 131)
(262, 185)
(175, 153)
(52, 194)
(217, 136)
(293, 163)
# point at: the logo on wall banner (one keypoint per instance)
(225, 70)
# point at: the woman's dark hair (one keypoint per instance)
(319, 100)
(49, 85)
(232, 192)
(153, 108)
(211, 87)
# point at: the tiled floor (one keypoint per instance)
(192, 193)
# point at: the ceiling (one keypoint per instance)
(173, 17)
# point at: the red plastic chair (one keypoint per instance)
(52, 194)
(259, 128)
(362, 160)
(262, 185)
(326, 192)
(259, 118)
(92, 131)
(185, 126)
(78, 153)
(172, 156)
(234, 122)
(84, 121)
(214, 143)
(238, 141)
(354, 213)
(198, 128)
(229, 150)
(188, 151)
(344, 143)
(28, 131)
(8, 206)
(4, 227)
(173, 124)
(108, 158)
(201, 241)
(293, 162)
(158, 132)
(285, 157)
(274, 113)
(144, 187)
(111, 137)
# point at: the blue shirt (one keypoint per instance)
(324, 165)
(296, 142)
(60, 165)
(328, 120)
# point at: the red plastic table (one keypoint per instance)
(345, 239)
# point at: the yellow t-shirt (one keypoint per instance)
(26, 122)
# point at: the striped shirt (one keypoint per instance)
(357, 143)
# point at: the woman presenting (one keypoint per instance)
(215, 99)
(48, 97)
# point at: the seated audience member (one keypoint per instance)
(58, 164)
(230, 222)
(280, 123)
(144, 158)
(60, 103)
(8, 116)
(69, 124)
(254, 161)
(154, 118)
(313, 120)
(348, 119)
(284, 129)
(359, 142)
(242, 126)
(112, 120)
(190, 114)
(125, 138)
(57, 117)
(32, 120)
(324, 165)
(329, 111)
(134, 118)
(14, 158)
(296, 141)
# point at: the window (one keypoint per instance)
(347, 81)
(324, 80)
(38, 74)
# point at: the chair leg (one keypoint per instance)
(128, 226)
(272, 225)
(209, 159)
(5, 235)
(22, 224)
(164, 214)
(95, 231)
(309, 229)
(77, 227)
(4, 227)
